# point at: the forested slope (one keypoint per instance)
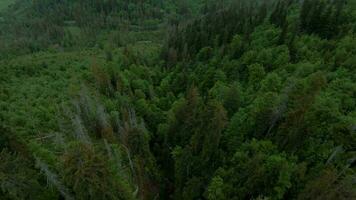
(191, 99)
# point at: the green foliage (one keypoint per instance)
(18, 179)
(257, 169)
(215, 190)
(87, 173)
(328, 186)
(177, 99)
(326, 18)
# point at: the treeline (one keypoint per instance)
(31, 26)
(217, 28)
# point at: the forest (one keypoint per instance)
(177, 99)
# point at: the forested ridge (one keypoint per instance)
(178, 99)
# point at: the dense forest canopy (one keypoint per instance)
(178, 99)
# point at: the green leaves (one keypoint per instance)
(215, 190)
(256, 169)
(88, 175)
(18, 179)
(238, 103)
